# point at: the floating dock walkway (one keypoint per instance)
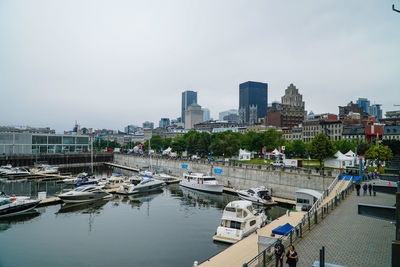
(244, 250)
(122, 167)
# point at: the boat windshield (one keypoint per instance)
(250, 191)
(79, 189)
(5, 201)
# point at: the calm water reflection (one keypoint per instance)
(172, 227)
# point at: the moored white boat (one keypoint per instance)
(239, 220)
(10, 206)
(85, 193)
(8, 169)
(201, 182)
(145, 185)
(45, 169)
(258, 195)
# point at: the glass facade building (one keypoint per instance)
(254, 95)
(364, 103)
(30, 143)
(188, 98)
(376, 110)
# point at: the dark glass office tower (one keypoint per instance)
(188, 98)
(253, 101)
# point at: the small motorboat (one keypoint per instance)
(78, 178)
(87, 181)
(8, 169)
(145, 185)
(84, 194)
(146, 173)
(10, 206)
(115, 182)
(258, 195)
(163, 176)
(45, 169)
(239, 220)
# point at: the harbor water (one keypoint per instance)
(172, 227)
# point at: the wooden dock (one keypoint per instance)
(285, 201)
(122, 167)
(246, 249)
(49, 201)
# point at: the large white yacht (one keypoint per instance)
(199, 181)
(258, 195)
(84, 193)
(238, 221)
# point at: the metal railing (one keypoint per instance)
(310, 219)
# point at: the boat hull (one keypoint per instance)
(257, 201)
(141, 189)
(209, 188)
(84, 198)
(13, 210)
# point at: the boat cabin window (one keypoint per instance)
(253, 222)
(302, 200)
(250, 191)
(250, 208)
(235, 225)
(230, 209)
(240, 213)
(209, 179)
(80, 189)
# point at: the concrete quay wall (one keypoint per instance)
(283, 183)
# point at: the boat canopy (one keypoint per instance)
(283, 229)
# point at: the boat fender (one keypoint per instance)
(12, 199)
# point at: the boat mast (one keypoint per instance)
(150, 154)
(91, 154)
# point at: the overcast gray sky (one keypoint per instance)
(111, 63)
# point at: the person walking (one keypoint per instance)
(370, 189)
(365, 187)
(292, 257)
(279, 253)
(358, 187)
(373, 189)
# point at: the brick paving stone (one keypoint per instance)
(350, 239)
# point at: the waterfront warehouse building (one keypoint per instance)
(32, 143)
(253, 102)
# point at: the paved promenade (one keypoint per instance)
(350, 239)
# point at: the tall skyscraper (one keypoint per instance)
(253, 102)
(376, 110)
(206, 114)
(364, 104)
(292, 107)
(164, 122)
(188, 98)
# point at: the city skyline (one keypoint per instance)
(57, 70)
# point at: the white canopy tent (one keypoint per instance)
(340, 161)
(350, 154)
(244, 155)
